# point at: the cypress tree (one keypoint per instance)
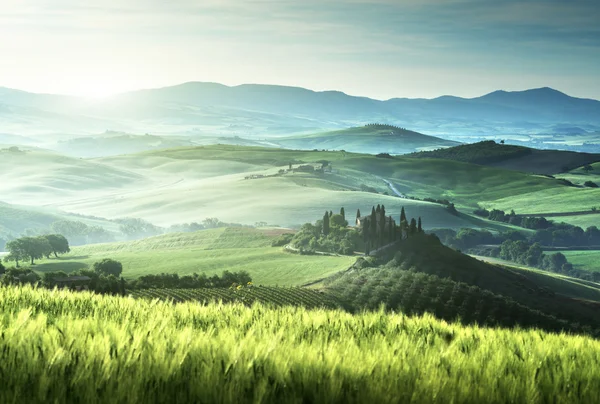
(419, 227)
(343, 213)
(330, 213)
(326, 223)
(413, 226)
(357, 214)
(402, 215)
(373, 227)
(378, 210)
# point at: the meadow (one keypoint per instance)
(58, 346)
(584, 260)
(208, 251)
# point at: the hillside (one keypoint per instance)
(424, 256)
(116, 143)
(511, 157)
(370, 139)
(243, 184)
(208, 251)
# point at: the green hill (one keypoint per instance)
(371, 139)
(512, 157)
(207, 251)
(499, 288)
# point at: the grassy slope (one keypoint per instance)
(15, 219)
(584, 260)
(186, 184)
(208, 181)
(39, 177)
(77, 347)
(555, 200)
(367, 139)
(561, 284)
(514, 157)
(210, 252)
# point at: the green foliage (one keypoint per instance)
(485, 152)
(59, 346)
(59, 244)
(108, 267)
(282, 240)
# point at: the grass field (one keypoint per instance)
(558, 200)
(77, 347)
(584, 260)
(208, 251)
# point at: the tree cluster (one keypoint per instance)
(548, 232)
(32, 248)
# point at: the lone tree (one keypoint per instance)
(108, 267)
(402, 215)
(326, 223)
(357, 214)
(59, 244)
(343, 213)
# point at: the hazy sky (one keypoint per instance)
(378, 48)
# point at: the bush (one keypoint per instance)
(108, 267)
(282, 240)
(590, 184)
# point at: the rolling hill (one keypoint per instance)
(242, 184)
(370, 139)
(512, 157)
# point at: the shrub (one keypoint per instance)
(108, 267)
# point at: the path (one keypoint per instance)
(393, 188)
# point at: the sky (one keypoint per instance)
(380, 48)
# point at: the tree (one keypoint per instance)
(337, 221)
(373, 226)
(357, 214)
(419, 226)
(108, 267)
(343, 213)
(413, 226)
(587, 168)
(59, 244)
(326, 223)
(402, 215)
(2, 269)
(16, 250)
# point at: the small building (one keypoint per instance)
(74, 282)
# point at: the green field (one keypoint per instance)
(78, 347)
(555, 200)
(208, 251)
(584, 260)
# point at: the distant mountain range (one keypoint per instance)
(267, 110)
